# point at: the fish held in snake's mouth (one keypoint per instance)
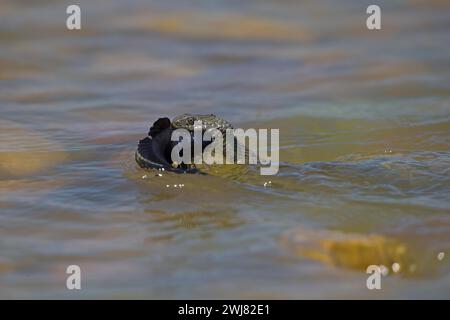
(154, 151)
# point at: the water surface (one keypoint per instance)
(364, 131)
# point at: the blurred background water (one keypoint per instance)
(364, 130)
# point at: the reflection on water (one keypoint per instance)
(364, 130)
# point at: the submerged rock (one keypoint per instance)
(353, 250)
(24, 151)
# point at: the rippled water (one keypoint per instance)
(364, 120)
